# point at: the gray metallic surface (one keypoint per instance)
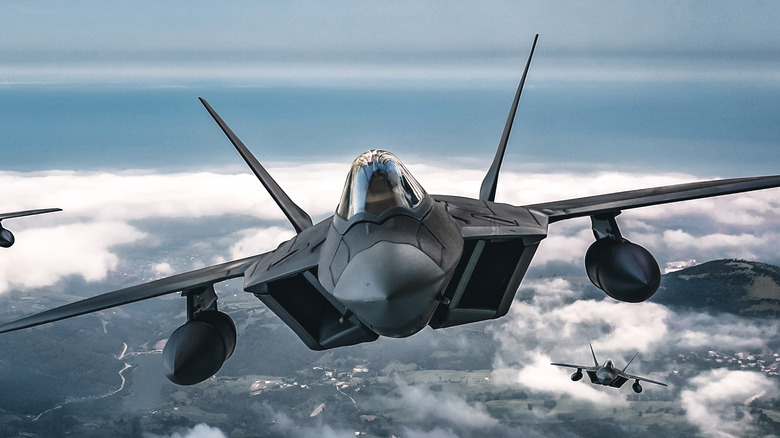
(615, 202)
(499, 243)
(394, 301)
(423, 245)
(181, 282)
(436, 235)
(299, 219)
(196, 350)
(487, 191)
(7, 238)
(624, 270)
(27, 213)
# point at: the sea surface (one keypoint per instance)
(709, 129)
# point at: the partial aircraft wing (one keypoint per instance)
(27, 213)
(644, 379)
(285, 279)
(568, 365)
(181, 282)
(615, 202)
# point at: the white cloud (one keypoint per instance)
(284, 425)
(716, 403)
(43, 255)
(437, 432)
(163, 268)
(697, 331)
(201, 430)
(542, 377)
(259, 240)
(557, 325)
(697, 230)
(421, 405)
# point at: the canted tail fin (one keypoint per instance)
(629, 362)
(595, 361)
(488, 190)
(299, 219)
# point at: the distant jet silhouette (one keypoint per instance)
(607, 374)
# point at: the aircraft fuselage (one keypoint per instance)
(390, 249)
(606, 374)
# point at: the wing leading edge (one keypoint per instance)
(615, 202)
(27, 213)
(568, 365)
(643, 379)
(176, 283)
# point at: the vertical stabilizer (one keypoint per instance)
(629, 362)
(299, 219)
(488, 190)
(595, 361)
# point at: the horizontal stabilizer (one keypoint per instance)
(181, 282)
(299, 219)
(615, 202)
(27, 213)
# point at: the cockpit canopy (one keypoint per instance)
(377, 182)
(609, 364)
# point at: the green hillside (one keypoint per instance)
(734, 286)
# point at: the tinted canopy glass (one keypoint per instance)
(377, 182)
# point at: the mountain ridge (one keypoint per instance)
(741, 287)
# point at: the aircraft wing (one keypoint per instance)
(181, 282)
(27, 213)
(614, 202)
(567, 365)
(587, 369)
(644, 379)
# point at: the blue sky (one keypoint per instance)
(94, 40)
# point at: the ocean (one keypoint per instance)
(708, 129)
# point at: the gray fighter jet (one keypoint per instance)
(608, 374)
(394, 259)
(6, 237)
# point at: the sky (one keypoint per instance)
(99, 117)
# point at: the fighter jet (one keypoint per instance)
(394, 259)
(6, 237)
(608, 374)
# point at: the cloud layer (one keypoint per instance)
(112, 217)
(718, 401)
(103, 210)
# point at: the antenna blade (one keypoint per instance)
(595, 361)
(629, 362)
(299, 219)
(488, 190)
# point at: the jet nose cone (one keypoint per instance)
(391, 287)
